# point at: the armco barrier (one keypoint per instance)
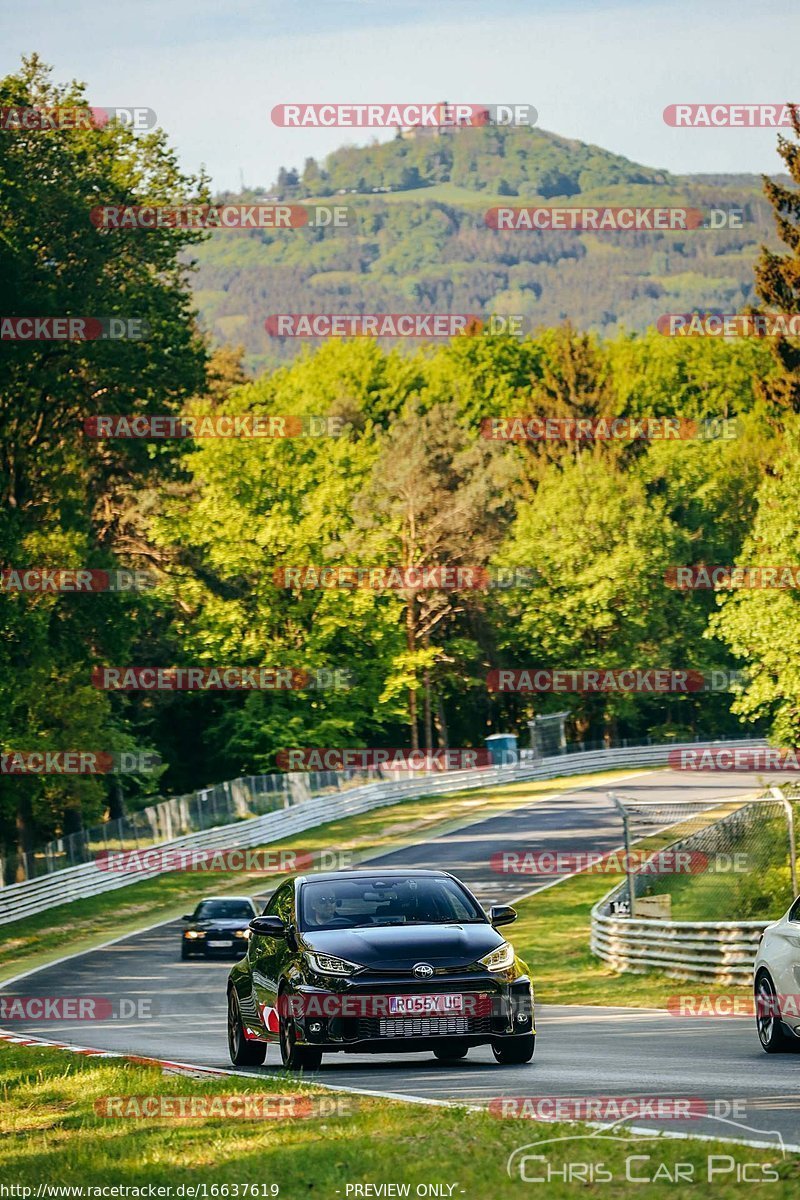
(76, 883)
(723, 951)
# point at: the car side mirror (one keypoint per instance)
(502, 914)
(187, 917)
(268, 927)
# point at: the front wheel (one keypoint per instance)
(452, 1052)
(768, 1019)
(518, 1049)
(243, 1053)
(294, 1057)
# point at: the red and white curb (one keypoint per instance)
(168, 1067)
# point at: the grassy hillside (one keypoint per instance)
(421, 243)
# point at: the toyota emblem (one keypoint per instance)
(423, 970)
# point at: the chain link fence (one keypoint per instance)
(223, 804)
(688, 860)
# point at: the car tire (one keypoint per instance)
(185, 952)
(771, 1034)
(451, 1053)
(518, 1049)
(243, 1053)
(294, 1057)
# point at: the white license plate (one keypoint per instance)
(218, 945)
(424, 1005)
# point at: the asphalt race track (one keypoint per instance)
(581, 1051)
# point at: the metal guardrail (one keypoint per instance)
(234, 800)
(723, 951)
(75, 883)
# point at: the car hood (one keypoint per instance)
(400, 947)
(232, 923)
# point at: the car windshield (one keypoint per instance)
(229, 910)
(415, 900)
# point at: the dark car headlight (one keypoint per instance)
(194, 933)
(329, 964)
(500, 959)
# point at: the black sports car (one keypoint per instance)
(378, 962)
(219, 926)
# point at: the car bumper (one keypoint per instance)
(359, 1019)
(237, 948)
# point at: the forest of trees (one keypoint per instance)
(409, 481)
(438, 256)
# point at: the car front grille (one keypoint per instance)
(436, 1026)
(408, 974)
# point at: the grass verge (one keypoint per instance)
(56, 1137)
(552, 935)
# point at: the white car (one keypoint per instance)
(776, 983)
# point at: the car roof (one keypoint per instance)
(249, 899)
(373, 873)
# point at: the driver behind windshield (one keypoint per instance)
(378, 902)
(323, 909)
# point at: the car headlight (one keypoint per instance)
(329, 964)
(500, 959)
(194, 933)
(245, 933)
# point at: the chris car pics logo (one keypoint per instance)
(614, 1155)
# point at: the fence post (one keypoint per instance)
(628, 871)
(786, 804)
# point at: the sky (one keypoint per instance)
(598, 71)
